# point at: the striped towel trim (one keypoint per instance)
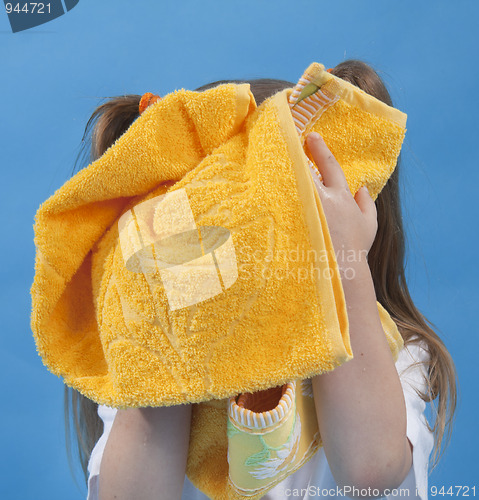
(267, 420)
(309, 110)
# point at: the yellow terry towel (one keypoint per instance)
(192, 261)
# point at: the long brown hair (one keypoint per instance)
(386, 261)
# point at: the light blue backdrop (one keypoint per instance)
(53, 76)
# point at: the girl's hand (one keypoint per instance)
(364, 439)
(352, 221)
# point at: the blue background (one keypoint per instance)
(53, 76)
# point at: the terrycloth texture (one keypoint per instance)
(272, 433)
(242, 447)
(363, 134)
(192, 261)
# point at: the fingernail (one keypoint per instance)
(314, 136)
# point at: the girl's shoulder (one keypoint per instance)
(413, 365)
(415, 351)
(106, 413)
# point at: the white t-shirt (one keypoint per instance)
(314, 477)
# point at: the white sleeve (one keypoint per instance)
(107, 414)
(412, 371)
(421, 438)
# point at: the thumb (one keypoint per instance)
(365, 202)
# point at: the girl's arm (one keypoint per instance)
(360, 405)
(145, 455)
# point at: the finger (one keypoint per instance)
(365, 203)
(316, 178)
(327, 164)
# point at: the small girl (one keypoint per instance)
(370, 411)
